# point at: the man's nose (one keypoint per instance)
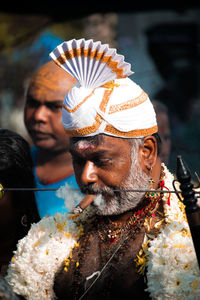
(89, 174)
(41, 114)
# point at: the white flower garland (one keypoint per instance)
(172, 268)
(40, 254)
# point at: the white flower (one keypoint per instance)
(172, 269)
(40, 254)
(71, 197)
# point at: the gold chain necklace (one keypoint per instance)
(112, 231)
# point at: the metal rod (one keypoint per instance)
(115, 190)
(190, 201)
(29, 189)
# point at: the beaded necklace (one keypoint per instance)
(110, 232)
(113, 237)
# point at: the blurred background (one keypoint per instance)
(161, 43)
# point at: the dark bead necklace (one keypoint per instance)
(114, 238)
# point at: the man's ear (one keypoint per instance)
(148, 153)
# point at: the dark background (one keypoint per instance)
(29, 31)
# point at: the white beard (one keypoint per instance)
(124, 201)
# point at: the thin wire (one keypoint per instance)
(106, 264)
(30, 189)
(55, 189)
(197, 193)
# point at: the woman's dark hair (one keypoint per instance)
(16, 170)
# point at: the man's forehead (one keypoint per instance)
(95, 143)
(84, 145)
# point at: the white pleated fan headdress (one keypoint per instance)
(105, 100)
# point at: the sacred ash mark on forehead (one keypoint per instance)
(83, 145)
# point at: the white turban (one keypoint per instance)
(105, 100)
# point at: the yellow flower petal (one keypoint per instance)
(36, 244)
(67, 234)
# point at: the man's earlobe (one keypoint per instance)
(148, 153)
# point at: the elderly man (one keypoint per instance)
(127, 242)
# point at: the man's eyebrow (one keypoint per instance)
(100, 152)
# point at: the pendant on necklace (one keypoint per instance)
(112, 237)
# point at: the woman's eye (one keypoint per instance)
(55, 107)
